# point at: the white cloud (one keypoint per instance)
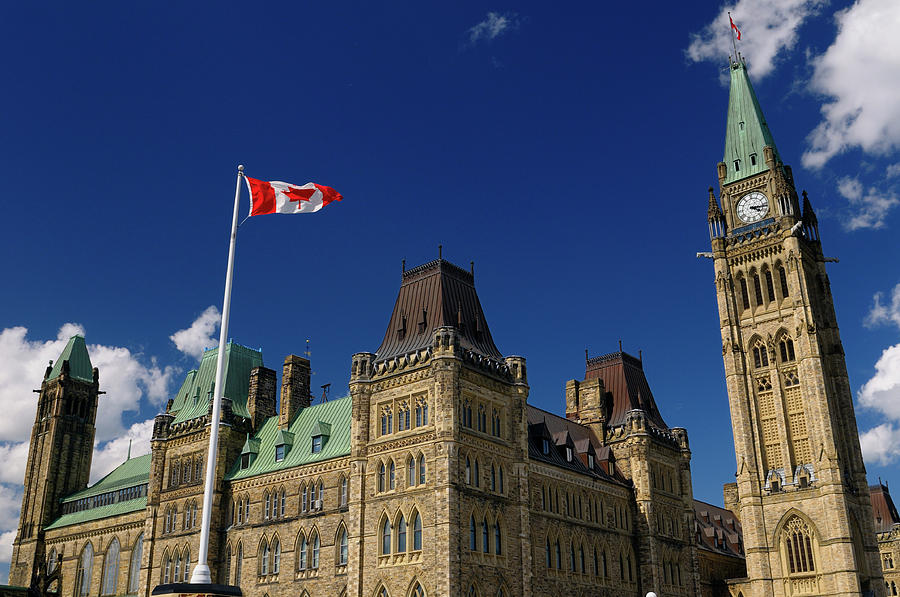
(493, 26)
(768, 27)
(858, 72)
(882, 391)
(881, 444)
(882, 313)
(114, 452)
(6, 541)
(14, 457)
(868, 206)
(200, 335)
(122, 376)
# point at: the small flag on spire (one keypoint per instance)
(733, 26)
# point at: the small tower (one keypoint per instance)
(59, 456)
(801, 482)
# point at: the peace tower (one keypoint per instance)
(801, 491)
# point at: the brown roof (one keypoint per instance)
(623, 377)
(562, 432)
(716, 529)
(433, 295)
(883, 508)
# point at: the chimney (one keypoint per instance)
(295, 394)
(261, 396)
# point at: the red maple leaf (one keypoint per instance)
(298, 194)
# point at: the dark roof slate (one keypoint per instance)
(718, 530)
(434, 295)
(623, 377)
(883, 508)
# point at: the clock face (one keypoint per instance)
(752, 207)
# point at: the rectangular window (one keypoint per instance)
(317, 444)
(752, 159)
(279, 453)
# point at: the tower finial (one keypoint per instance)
(403, 266)
(620, 345)
(129, 450)
(440, 251)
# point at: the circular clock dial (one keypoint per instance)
(752, 207)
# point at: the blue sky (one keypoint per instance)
(567, 151)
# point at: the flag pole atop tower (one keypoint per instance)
(201, 575)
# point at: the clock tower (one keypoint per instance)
(803, 499)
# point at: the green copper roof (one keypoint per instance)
(193, 397)
(79, 362)
(746, 132)
(284, 438)
(133, 471)
(336, 414)
(116, 509)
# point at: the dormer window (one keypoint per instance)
(245, 460)
(591, 461)
(752, 159)
(320, 433)
(737, 165)
(284, 440)
(568, 454)
(545, 446)
(249, 452)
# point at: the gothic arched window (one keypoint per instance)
(770, 287)
(782, 277)
(238, 564)
(787, 350)
(342, 547)
(745, 297)
(798, 543)
(473, 541)
(83, 574)
(410, 472)
(421, 469)
(276, 556)
(110, 569)
(417, 532)
(301, 557)
(314, 553)
(386, 537)
(401, 534)
(757, 290)
(134, 569)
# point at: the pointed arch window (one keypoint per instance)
(239, 564)
(485, 536)
(493, 478)
(787, 350)
(266, 502)
(418, 591)
(782, 277)
(473, 541)
(799, 546)
(745, 297)
(381, 477)
(477, 474)
(501, 479)
(411, 471)
(342, 547)
(498, 539)
(417, 532)
(110, 569)
(549, 555)
(342, 498)
(314, 554)
(757, 290)
(301, 558)
(421, 469)
(186, 572)
(770, 286)
(401, 534)
(265, 554)
(468, 471)
(386, 537)
(558, 555)
(391, 475)
(276, 556)
(167, 569)
(226, 569)
(177, 567)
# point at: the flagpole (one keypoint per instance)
(201, 575)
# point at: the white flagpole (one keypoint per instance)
(201, 575)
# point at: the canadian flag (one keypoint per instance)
(276, 197)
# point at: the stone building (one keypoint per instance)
(887, 529)
(801, 493)
(433, 477)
